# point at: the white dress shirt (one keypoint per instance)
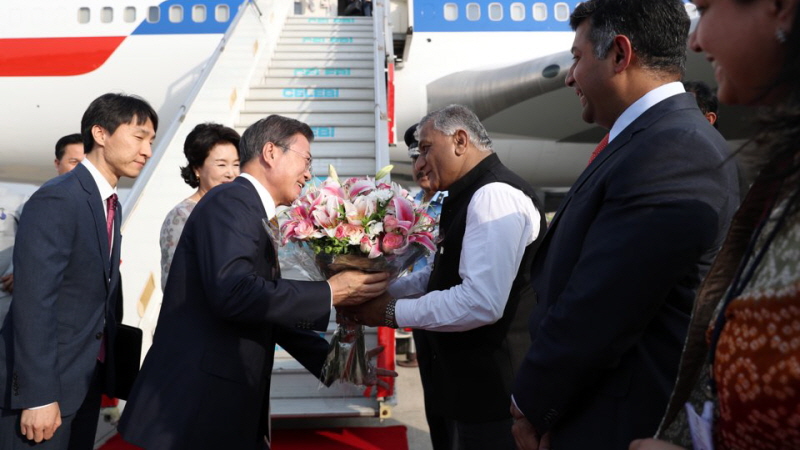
(501, 222)
(647, 101)
(106, 190)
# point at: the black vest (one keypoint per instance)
(468, 375)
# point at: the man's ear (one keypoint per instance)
(622, 53)
(461, 141)
(268, 153)
(99, 135)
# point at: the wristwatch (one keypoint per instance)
(389, 319)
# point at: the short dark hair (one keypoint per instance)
(61, 145)
(706, 97)
(112, 110)
(199, 143)
(658, 30)
(276, 129)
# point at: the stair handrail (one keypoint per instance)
(383, 53)
(167, 136)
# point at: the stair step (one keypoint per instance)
(328, 20)
(293, 408)
(323, 48)
(303, 105)
(326, 40)
(264, 93)
(326, 33)
(316, 82)
(312, 71)
(340, 133)
(340, 56)
(365, 27)
(314, 119)
(319, 62)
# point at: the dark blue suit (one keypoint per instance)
(616, 277)
(205, 381)
(66, 297)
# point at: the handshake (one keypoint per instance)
(360, 297)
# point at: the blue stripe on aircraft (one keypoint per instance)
(187, 25)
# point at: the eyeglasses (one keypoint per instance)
(309, 159)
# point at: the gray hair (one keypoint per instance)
(276, 129)
(452, 118)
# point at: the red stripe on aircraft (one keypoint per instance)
(45, 57)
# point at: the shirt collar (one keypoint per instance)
(263, 194)
(643, 104)
(102, 184)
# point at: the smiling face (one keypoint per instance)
(746, 61)
(220, 166)
(126, 151)
(291, 169)
(590, 77)
(436, 158)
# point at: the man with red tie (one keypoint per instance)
(617, 271)
(67, 295)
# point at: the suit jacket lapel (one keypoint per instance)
(641, 123)
(98, 213)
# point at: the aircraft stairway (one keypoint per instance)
(322, 74)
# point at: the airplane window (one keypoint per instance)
(473, 11)
(106, 14)
(222, 14)
(153, 14)
(539, 12)
(199, 13)
(517, 12)
(561, 12)
(83, 15)
(450, 12)
(495, 12)
(130, 14)
(176, 13)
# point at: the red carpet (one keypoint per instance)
(384, 438)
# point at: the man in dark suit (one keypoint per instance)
(56, 347)
(621, 261)
(205, 381)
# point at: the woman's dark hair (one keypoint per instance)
(199, 143)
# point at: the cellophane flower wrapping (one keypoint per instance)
(360, 224)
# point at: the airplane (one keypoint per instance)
(506, 59)
(56, 56)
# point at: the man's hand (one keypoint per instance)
(40, 424)
(652, 444)
(371, 313)
(525, 434)
(353, 287)
(8, 283)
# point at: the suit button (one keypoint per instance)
(99, 335)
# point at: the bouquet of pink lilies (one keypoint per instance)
(364, 224)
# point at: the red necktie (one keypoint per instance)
(111, 203)
(603, 143)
